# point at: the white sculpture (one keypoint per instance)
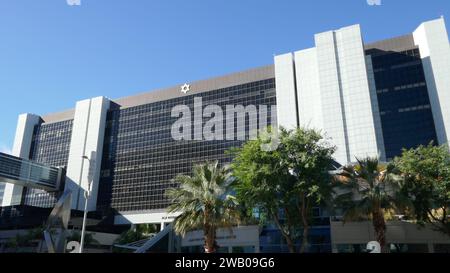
(73, 247)
(373, 247)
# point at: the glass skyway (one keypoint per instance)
(27, 173)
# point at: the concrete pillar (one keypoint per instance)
(22, 145)
(286, 91)
(87, 140)
(432, 39)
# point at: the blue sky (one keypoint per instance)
(53, 54)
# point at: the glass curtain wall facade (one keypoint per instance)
(50, 145)
(140, 157)
(404, 105)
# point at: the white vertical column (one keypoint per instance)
(285, 91)
(358, 108)
(432, 39)
(347, 106)
(332, 102)
(75, 164)
(87, 137)
(22, 145)
(308, 89)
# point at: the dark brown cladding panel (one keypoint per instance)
(60, 116)
(257, 74)
(196, 87)
(397, 44)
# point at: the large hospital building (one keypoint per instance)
(371, 99)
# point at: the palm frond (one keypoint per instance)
(374, 187)
(204, 198)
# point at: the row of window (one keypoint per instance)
(404, 105)
(402, 87)
(141, 158)
(50, 145)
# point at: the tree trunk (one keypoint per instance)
(209, 233)
(304, 216)
(441, 223)
(304, 239)
(210, 239)
(379, 226)
(289, 242)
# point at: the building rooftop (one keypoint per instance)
(396, 44)
(196, 87)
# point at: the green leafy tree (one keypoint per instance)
(205, 201)
(265, 186)
(286, 182)
(28, 239)
(370, 191)
(134, 234)
(426, 182)
(309, 158)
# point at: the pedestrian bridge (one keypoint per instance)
(30, 174)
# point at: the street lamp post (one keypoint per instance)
(87, 193)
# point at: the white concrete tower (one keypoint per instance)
(285, 85)
(432, 39)
(332, 92)
(22, 145)
(87, 140)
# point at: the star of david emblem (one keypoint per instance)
(185, 88)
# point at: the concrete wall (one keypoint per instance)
(397, 232)
(308, 89)
(432, 39)
(87, 140)
(286, 97)
(142, 217)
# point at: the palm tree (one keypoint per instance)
(372, 194)
(205, 201)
